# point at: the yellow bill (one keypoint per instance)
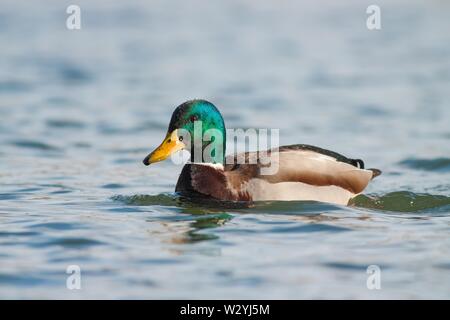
(170, 145)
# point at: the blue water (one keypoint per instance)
(81, 109)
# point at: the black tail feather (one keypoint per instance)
(358, 163)
(375, 173)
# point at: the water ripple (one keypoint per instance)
(30, 144)
(74, 243)
(64, 123)
(402, 201)
(438, 164)
(311, 227)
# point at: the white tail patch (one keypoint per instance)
(261, 190)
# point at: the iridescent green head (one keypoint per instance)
(196, 126)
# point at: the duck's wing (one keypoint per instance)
(302, 163)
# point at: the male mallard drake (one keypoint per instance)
(304, 172)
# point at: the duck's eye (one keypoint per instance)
(169, 141)
(180, 138)
(193, 118)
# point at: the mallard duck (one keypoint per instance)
(304, 172)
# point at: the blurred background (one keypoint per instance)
(80, 109)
